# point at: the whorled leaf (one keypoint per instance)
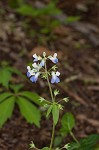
(29, 111)
(6, 109)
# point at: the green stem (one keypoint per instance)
(71, 133)
(49, 83)
(53, 100)
(52, 138)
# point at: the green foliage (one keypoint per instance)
(6, 109)
(31, 96)
(58, 141)
(4, 96)
(32, 145)
(15, 3)
(13, 95)
(55, 112)
(49, 111)
(25, 102)
(29, 111)
(28, 10)
(43, 18)
(6, 74)
(87, 143)
(72, 19)
(45, 148)
(68, 122)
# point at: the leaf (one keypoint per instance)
(45, 148)
(55, 112)
(87, 143)
(49, 111)
(58, 141)
(15, 3)
(16, 71)
(6, 109)
(29, 111)
(3, 96)
(5, 76)
(31, 96)
(68, 122)
(72, 19)
(27, 10)
(16, 87)
(72, 146)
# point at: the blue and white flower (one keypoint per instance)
(36, 67)
(36, 58)
(55, 78)
(42, 63)
(33, 73)
(36, 70)
(35, 77)
(30, 71)
(54, 58)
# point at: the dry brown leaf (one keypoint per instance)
(40, 49)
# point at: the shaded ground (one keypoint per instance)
(79, 67)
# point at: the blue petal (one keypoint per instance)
(32, 78)
(36, 59)
(42, 63)
(57, 80)
(36, 77)
(28, 74)
(53, 80)
(55, 60)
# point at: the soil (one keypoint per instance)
(79, 67)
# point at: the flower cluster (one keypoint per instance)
(39, 64)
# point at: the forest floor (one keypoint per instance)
(77, 46)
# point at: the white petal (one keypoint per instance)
(55, 55)
(57, 73)
(53, 74)
(35, 65)
(35, 56)
(32, 72)
(28, 67)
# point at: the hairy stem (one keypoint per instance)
(49, 83)
(53, 100)
(52, 138)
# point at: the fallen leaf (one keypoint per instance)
(40, 49)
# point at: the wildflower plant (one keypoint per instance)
(38, 69)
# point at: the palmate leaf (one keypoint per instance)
(16, 87)
(31, 96)
(68, 122)
(16, 71)
(5, 76)
(3, 96)
(6, 109)
(29, 111)
(87, 143)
